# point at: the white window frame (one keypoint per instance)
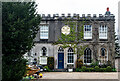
(70, 53)
(100, 55)
(45, 51)
(103, 29)
(43, 60)
(87, 34)
(44, 31)
(60, 50)
(87, 59)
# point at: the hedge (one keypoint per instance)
(50, 63)
(95, 69)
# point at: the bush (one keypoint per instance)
(114, 70)
(77, 70)
(47, 69)
(90, 69)
(97, 69)
(79, 63)
(83, 69)
(93, 64)
(50, 63)
(109, 63)
(108, 69)
(102, 69)
(15, 70)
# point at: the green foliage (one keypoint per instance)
(114, 70)
(109, 63)
(90, 69)
(97, 69)
(104, 65)
(102, 69)
(19, 28)
(83, 69)
(50, 62)
(108, 69)
(77, 70)
(72, 39)
(13, 69)
(47, 68)
(93, 64)
(79, 63)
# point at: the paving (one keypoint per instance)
(80, 75)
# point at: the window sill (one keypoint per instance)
(70, 63)
(88, 38)
(103, 39)
(87, 63)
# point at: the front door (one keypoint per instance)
(60, 60)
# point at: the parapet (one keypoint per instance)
(78, 17)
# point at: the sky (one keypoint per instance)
(78, 7)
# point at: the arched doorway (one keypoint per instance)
(60, 58)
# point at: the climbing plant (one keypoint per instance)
(74, 38)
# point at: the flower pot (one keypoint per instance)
(70, 70)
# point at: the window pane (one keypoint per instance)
(70, 55)
(87, 32)
(87, 55)
(44, 32)
(103, 32)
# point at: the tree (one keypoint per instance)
(20, 24)
(117, 47)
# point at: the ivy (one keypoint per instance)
(74, 37)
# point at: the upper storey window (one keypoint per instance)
(87, 32)
(44, 29)
(103, 32)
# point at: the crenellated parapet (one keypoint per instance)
(78, 17)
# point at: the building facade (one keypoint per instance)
(119, 21)
(98, 33)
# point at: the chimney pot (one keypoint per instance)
(107, 8)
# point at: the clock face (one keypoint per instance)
(65, 30)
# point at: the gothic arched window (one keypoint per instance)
(60, 50)
(44, 51)
(70, 56)
(102, 51)
(87, 55)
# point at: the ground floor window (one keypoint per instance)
(70, 56)
(43, 60)
(103, 56)
(87, 56)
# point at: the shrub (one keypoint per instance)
(90, 69)
(108, 69)
(102, 69)
(79, 63)
(83, 69)
(77, 70)
(47, 69)
(97, 69)
(93, 64)
(50, 63)
(109, 63)
(114, 70)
